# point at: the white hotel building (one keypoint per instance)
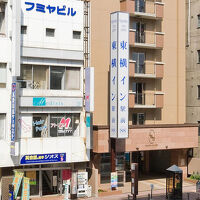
(42, 51)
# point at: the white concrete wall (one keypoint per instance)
(37, 22)
(36, 38)
(74, 147)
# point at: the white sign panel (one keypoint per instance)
(119, 75)
(89, 89)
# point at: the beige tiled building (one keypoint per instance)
(158, 135)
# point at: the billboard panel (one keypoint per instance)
(119, 75)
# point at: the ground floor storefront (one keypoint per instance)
(49, 179)
(154, 147)
(151, 164)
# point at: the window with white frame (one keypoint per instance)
(2, 126)
(50, 77)
(2, 18)
(3, 75)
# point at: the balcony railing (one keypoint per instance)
(145, 9)
(146, 100)
(147, 39)
(149, 69)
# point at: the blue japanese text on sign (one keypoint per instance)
(50, 8)
(13, 113)
(43, 158)
(119, 75)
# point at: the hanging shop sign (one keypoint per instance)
(43, 158)
(17, 182)
(89, 89)
(13, 119)
(50, 102)
(32, 176)
(119, 75)
(25, 189)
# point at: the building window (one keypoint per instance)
(198, 86)
(50, 32)
(3, 75)
(138, 119)
(198, 128)
(76, 34)
(40, 125)
(105, 168)
(72, 78)
(63, 124)
(59, 78)
(2, 126)
(139, 59)
(24, 30)
(2, 18)
(198, 52)
(140, 5)
(49, 125)
(198, 25)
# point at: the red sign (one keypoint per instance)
(66, 174)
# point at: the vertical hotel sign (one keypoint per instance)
(119, 75)
(13, 116)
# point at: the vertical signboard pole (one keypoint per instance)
(119, 80)
(134, 180)
(13, 119)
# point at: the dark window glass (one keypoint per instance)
(57, 75)
(198, 87)
(50, 32)
(76, 34)
(24, 30)
(105, 168)
(63, 124)
(40, 126)
(198, 51)
(198, 25)
(134, 119)
(138, 118)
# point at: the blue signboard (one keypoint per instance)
(43, 158)
(39, 101)
(13, 113)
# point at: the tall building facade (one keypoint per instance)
(42, 114)
(192, 73)
(158, 135)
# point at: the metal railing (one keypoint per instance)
(139, 69)
(145, 99)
